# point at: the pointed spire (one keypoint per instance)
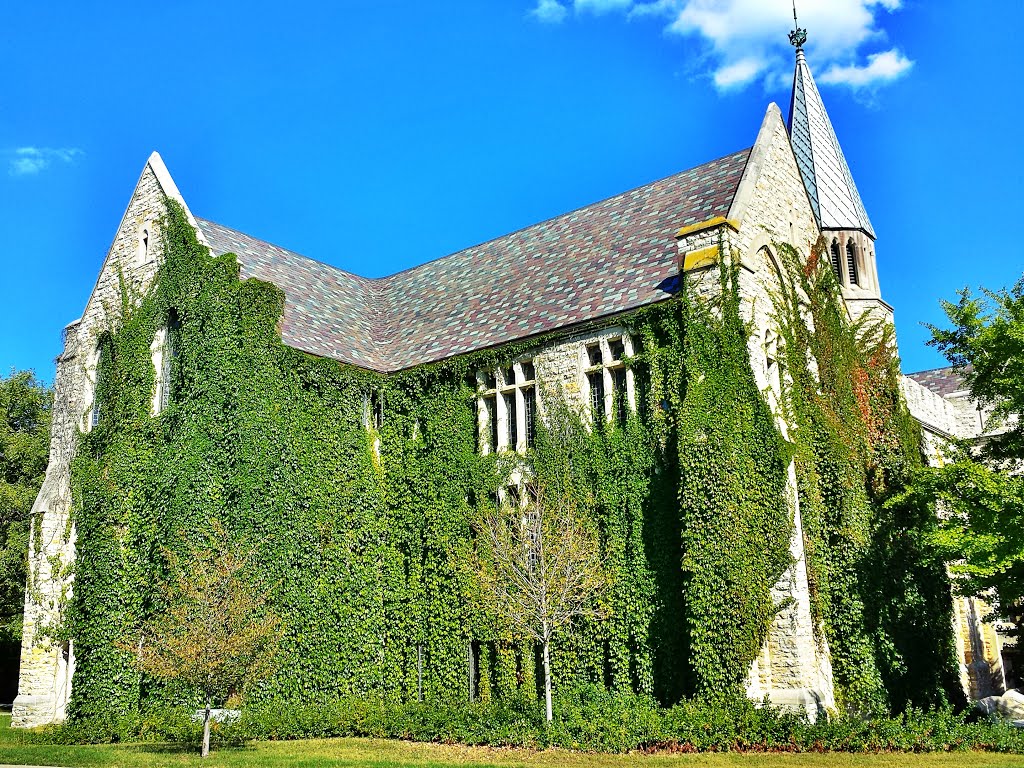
(834, 196)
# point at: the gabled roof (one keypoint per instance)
(834, 196)
(941, 381)
(606, 258)
(328, 312)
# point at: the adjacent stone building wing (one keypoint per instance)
(941, 381)
(606, 258)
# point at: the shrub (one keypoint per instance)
(587, 718)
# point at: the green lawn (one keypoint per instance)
(391, 754)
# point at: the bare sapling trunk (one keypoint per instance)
(206, 730)
(547, 681)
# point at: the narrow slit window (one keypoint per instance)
(511, 425)
(617, 349)
(167, 359)
(165, 372)
(94, 413)
(596, 380)
(530, 415)
(532, 524)
(621, 396)
(377, 403)
(490, 407)
(851, 262)
(142, 248)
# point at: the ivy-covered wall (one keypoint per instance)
(362, 551)
(880, 595)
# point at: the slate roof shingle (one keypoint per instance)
(603, 259)
(941, 381)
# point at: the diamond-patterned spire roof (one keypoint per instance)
(834, 196)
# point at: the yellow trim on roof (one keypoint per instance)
(703, 257)
(717, 221)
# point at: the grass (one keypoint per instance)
(377, 753)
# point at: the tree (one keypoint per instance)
(25, 405)
(539, 567)
(986, 343)
(981, 530)
(980, 491)
(216, 636)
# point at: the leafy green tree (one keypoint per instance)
(981, 491)
(981, 529)
(986, 343)
(217, 635)
(25, 405)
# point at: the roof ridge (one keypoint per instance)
(933, 370)
(384, 278)
(570, 212)
(261, 241)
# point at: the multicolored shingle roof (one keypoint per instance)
(941, 381)
(606, 258)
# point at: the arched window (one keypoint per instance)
(851, 262)
(94, 415)
(773, 363)
(165, 352)
(142, 250)
(837, 268)
(97, 369)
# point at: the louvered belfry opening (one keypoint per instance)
(851, 262)
(837, 268)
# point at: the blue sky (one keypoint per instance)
(376, 136)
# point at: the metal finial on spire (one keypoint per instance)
(798, 36)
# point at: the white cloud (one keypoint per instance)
(740, 32)
(738, 73)
(28, 161)
(748, 39)
(549, 11)
(881, 68)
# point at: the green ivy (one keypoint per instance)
(880, 596)
(359, 537)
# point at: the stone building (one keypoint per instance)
(939, 400)
(575, 275)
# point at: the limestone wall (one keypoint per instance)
(47, 665)
(794, 667)
(979, 646)
(932, 410)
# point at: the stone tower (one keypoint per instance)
(837, 206)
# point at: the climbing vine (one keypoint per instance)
(880, 595)
(359, 529)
